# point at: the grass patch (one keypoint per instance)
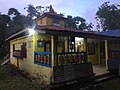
(10, 81)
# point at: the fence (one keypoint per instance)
(114, 59)
(43, 58)
(71, 57)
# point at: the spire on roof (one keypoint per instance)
(51, 9)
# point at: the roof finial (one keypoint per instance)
(51, 9)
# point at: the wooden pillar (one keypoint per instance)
(66, 44)
(98, 52)
(85, 49)
(53, 53)
(85, 45)
(53, 49)
(35, 38)
(106, 52)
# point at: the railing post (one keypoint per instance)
(84, 57)
(106, 53)
(56, 59)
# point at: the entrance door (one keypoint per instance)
(102, 53)
(47, 46)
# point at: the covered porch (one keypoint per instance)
(72, 46)
(99, 70)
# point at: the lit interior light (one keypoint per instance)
(79, 43)
(77, 39)
(31, 32)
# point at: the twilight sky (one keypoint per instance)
(83, 8)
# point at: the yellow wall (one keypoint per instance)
(95, 58)
(62, 23)
(106, 52)
(42, 21)
(49, 21)
(42, 37)
(27, 64)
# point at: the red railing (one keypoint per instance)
(43, 58)
(71, 57)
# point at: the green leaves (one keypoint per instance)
(108, 16)
(78, 23)
(13, 11)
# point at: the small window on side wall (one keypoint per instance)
(40, 44)
(24, 50)
(56, 22)
(13, 47)
(29, 44)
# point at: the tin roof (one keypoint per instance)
(115, 33)
(56, 30)
(72, 32)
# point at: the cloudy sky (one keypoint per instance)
(83, 8)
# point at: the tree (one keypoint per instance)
(14, 12)
(4, 20)
(35, 12)
(108, 16)
(10, 24)
(78, 23)
(18, 21)
(70, 22)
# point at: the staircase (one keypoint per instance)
(6, 59)
(104, 77)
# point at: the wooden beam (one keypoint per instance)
(106, 53)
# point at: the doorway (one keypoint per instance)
(102, 53)
(47, 47)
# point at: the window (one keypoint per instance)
(29, 44)
(71, 44)
(40, 44)
(47, 46)
(44, 45)
(56, 22)
(24, 50)
(13, 47)
(61, 44)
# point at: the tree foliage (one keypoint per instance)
(78, 23)
(18, 21)
(108, 16)
(36, 11)
(4, 19)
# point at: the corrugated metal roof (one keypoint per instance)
(115, 33)
(112, 34)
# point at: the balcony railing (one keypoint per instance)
(43, 58)
(71, 57)
(114, 54)
(114, 59)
